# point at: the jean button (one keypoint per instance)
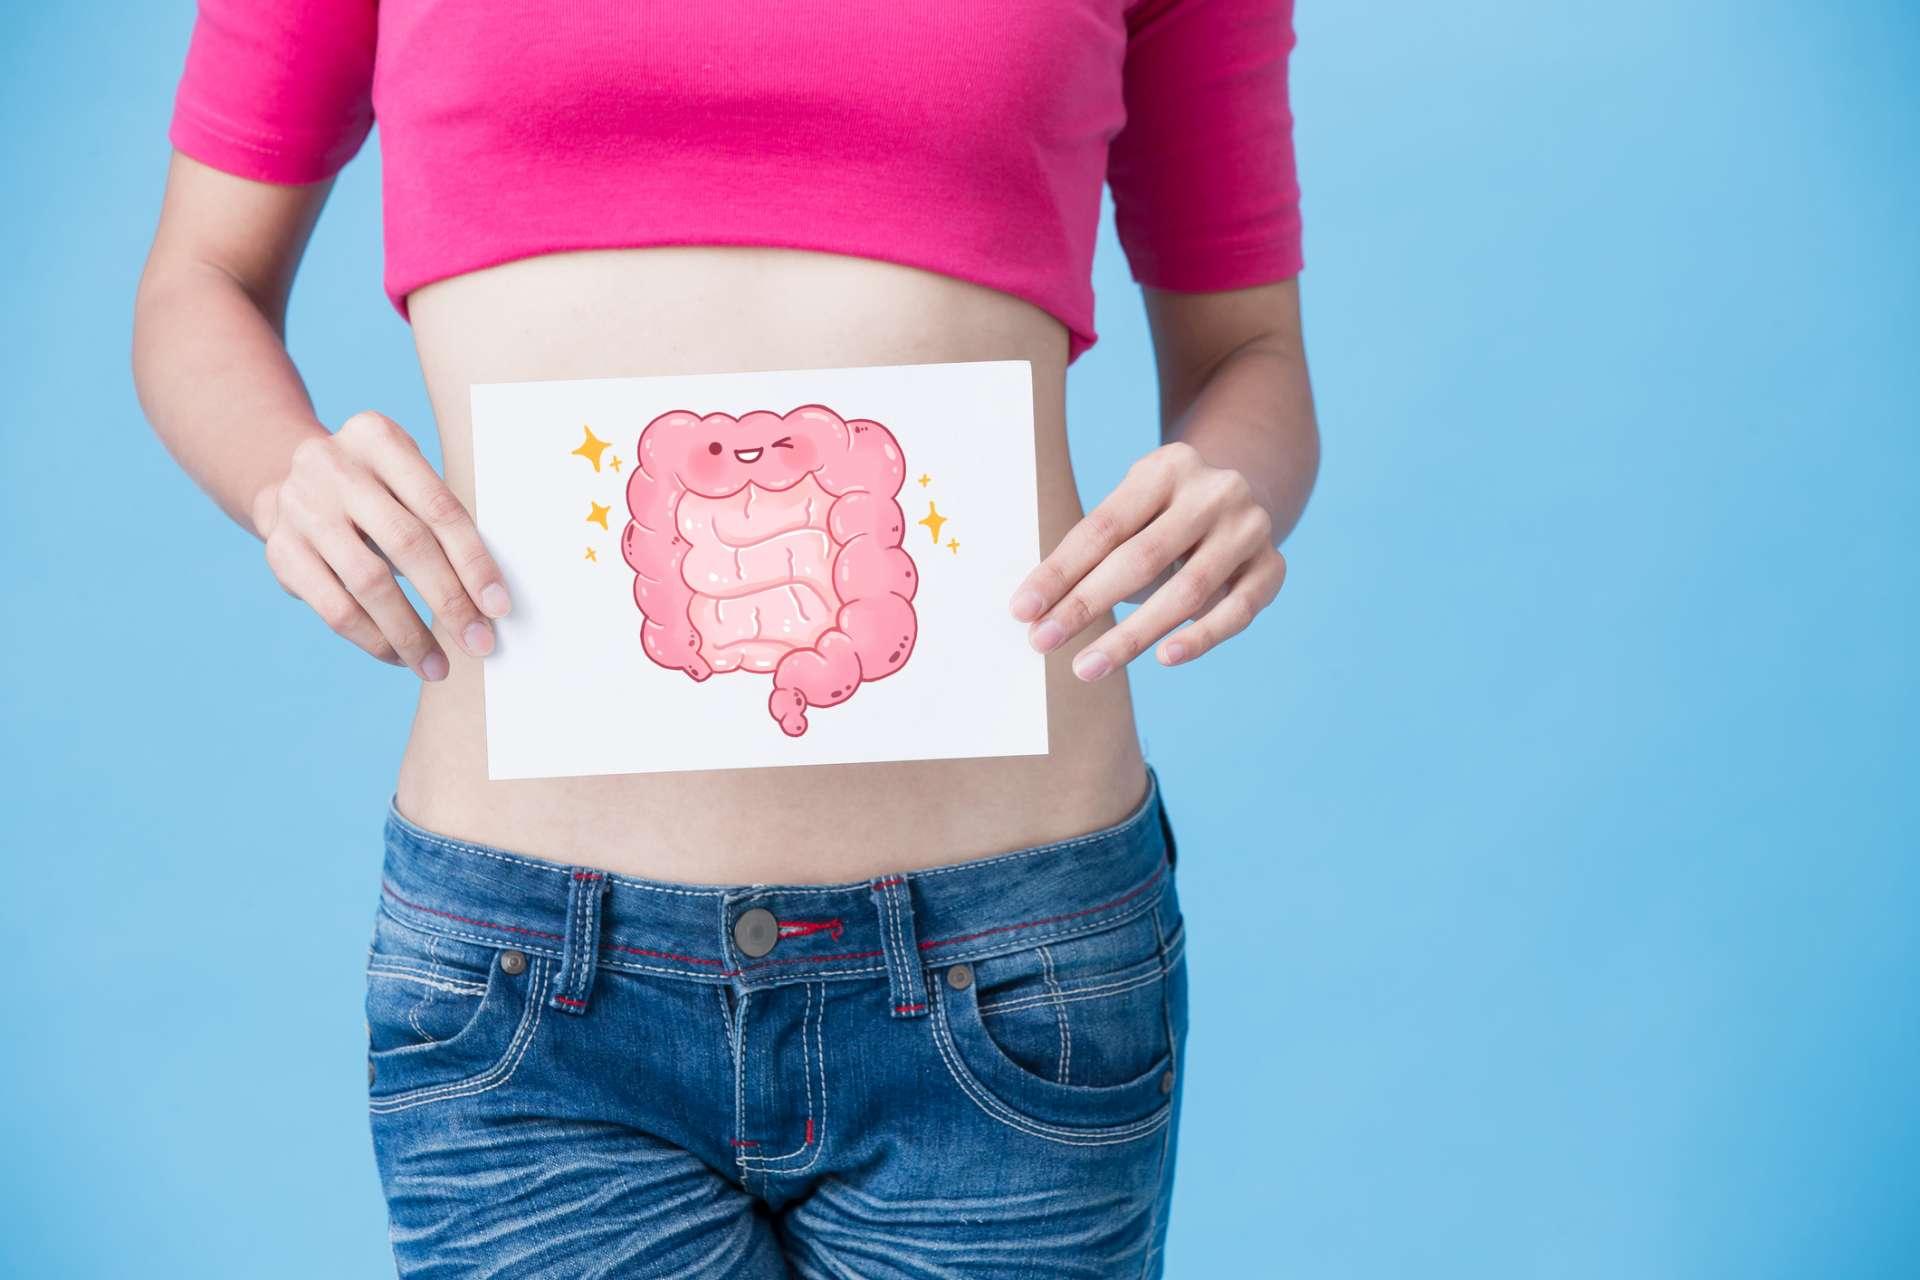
(755, 932)
(513, 962)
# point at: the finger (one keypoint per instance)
(1185, 595)
(421, 490)
(406, 540)
(1253, 592)
(1122, 513)
(1132, 565)
(306, 577)
(370, 581)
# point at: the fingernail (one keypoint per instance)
(1091, 665)
(478, 637)
(1048, 635)
(494, 602)
(434, 666)
(1174, 651)
(1027, 605)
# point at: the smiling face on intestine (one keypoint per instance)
(716, 456)
(772, 542)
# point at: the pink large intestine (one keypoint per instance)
(772, 542)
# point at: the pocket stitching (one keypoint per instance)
(431, 934)
(479, 1083)
(442, 982)
(426, 996)
(1091, 1136)
(1064, 997)
(1059, 1015)
(1157, 968)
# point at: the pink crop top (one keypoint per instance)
(967, 139)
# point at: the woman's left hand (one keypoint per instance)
(1172, 515)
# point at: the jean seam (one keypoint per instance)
(1156, 882)
(817, 1122)
(739, 1085)
(1015, 945)
(1059, 1016)
(806, 1072)
(426, 996)
(1168, 958)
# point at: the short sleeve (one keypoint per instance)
(1204, 188)
(277, 90)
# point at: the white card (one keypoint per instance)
(744, 587)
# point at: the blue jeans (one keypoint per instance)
(968, 1071)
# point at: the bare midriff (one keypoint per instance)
(638, 312)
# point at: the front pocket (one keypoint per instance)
(1086, 1010)
(1070, 1041)
(422, 988)
(445, 1017)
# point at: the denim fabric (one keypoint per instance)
(967, 1071)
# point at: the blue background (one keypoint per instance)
(1549, 849)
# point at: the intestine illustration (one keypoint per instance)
(772, 543)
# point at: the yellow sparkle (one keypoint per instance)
(598, 514)
(953, 545)
(591, 448)
(933, 522)
(591, 556)
(925, 480)
(615, 462)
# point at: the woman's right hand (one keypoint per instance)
(359, 506)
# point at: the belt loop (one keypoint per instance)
(906, 990)
(581, 950)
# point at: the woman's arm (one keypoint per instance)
(209, 320)
(1193, 527)
(1233, 384)
(337, 511)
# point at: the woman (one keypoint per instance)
(906, 1019)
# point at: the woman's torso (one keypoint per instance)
(694, 309)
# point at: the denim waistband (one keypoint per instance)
(895, 925)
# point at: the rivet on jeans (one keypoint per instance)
(513, 962)
(960, 976)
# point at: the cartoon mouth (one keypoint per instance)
(747, 455)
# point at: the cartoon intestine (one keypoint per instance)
(772, 542)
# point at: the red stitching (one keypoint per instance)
(484, 924)
(801, 928)
(1028, 924)
(809, 1137)
(570, 1002)
(741, 1142)
(889, 882)
(586, 875)
(663, 955)
(908, 1008)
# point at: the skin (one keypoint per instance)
(1190, 534)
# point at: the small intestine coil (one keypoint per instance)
(772, 543)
